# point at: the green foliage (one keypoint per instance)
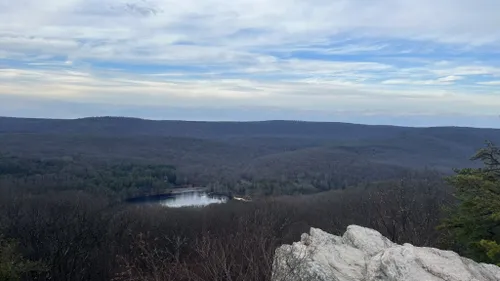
(12, 265)
(115, 178)
(305, 156)
(492, 249)
(475, 221)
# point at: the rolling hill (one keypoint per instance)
(207, 152)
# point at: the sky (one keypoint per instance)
(400, 62)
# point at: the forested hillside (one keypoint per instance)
(63, 185)
(310, 156)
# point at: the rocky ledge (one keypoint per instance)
(363, 254)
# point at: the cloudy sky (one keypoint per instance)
(401, 62)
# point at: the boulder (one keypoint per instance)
(363, 254)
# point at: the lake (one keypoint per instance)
(183, 199)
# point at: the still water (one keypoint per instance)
(192, 199)
(182, 199)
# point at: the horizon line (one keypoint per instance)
(241, 121)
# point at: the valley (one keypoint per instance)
(127, 199)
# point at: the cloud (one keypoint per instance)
(468, 70)
(489, 83)
(415, 82)
(447, 80)
(450, 78)
(119, 88)
(81, 27)
(310, 55)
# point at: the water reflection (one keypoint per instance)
(191, 199)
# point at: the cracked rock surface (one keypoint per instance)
(363, 254)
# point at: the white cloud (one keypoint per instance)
(489, 83)
(312, 55)
(450, 78)
(116, 28)
(468, 70)
(320, 95)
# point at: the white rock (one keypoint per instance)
(370, 241)
(363, 254)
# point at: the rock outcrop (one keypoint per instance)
(363, 254)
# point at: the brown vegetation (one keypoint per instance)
(79, 236)
(62, 181)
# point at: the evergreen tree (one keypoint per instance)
(12, 265)
(475, 221)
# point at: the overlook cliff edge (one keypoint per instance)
(363, 254)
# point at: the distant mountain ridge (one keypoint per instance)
(270, 150)
(205, 129)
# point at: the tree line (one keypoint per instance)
(78, 234)
(117, 179)
(75, 235)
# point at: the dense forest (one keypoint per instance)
(293, 157)
(63, 185)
